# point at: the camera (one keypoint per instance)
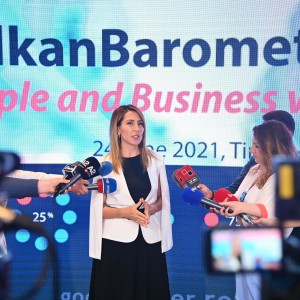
(264, 249)
(287, 188)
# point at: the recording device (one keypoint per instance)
(287, 188)
(11, 221)
(8, 162)
(104, 186)
(223, 195)
(247, 249)
(244, 249)
(186, 177)
(88, 169)
(195, 197)
(69, 170)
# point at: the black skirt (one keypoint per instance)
(130, 271)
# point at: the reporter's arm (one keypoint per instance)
(19, 188)
(239, 208)
(48, 186)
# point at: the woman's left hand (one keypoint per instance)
(147, 209)
(236, 207)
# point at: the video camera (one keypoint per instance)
(264, 249)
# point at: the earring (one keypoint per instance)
(119, 136)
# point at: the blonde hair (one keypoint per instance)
(273, 138)
(115, 141)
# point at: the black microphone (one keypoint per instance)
(85, 170)
(69, 170)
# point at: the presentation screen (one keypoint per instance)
(203, 74)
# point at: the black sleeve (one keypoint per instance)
(19, 188)
(235, 185)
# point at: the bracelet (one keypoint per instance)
(213, 194)
(263, 210)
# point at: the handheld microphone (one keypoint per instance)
(102, 169)
(175, 179)
(195, 197)
(104, 186)
(222, 195)
(186, 177)
(106, 168)
(69, 170)
(85, 170)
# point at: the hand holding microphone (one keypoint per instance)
(236, 207)
(88, 169)
(195, 197)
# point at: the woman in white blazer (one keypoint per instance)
(257, 191)
(130, 229)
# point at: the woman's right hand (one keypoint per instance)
(132, 213)
(208, 193)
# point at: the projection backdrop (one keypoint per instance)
(203, 73)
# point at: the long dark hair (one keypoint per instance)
(273, 138)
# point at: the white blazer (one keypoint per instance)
(124, 230)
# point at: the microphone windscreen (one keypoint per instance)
(89, 168)
(106, 168)
(192, 196)
(222, 195)
(109, 185)
(91, 161)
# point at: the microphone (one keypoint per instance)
(69, 170)
(186, 177)
(85, 170)
(104, 186)
(195, 197)
(175, 179)
(222, 195)
(102, 169)
(106, 168)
